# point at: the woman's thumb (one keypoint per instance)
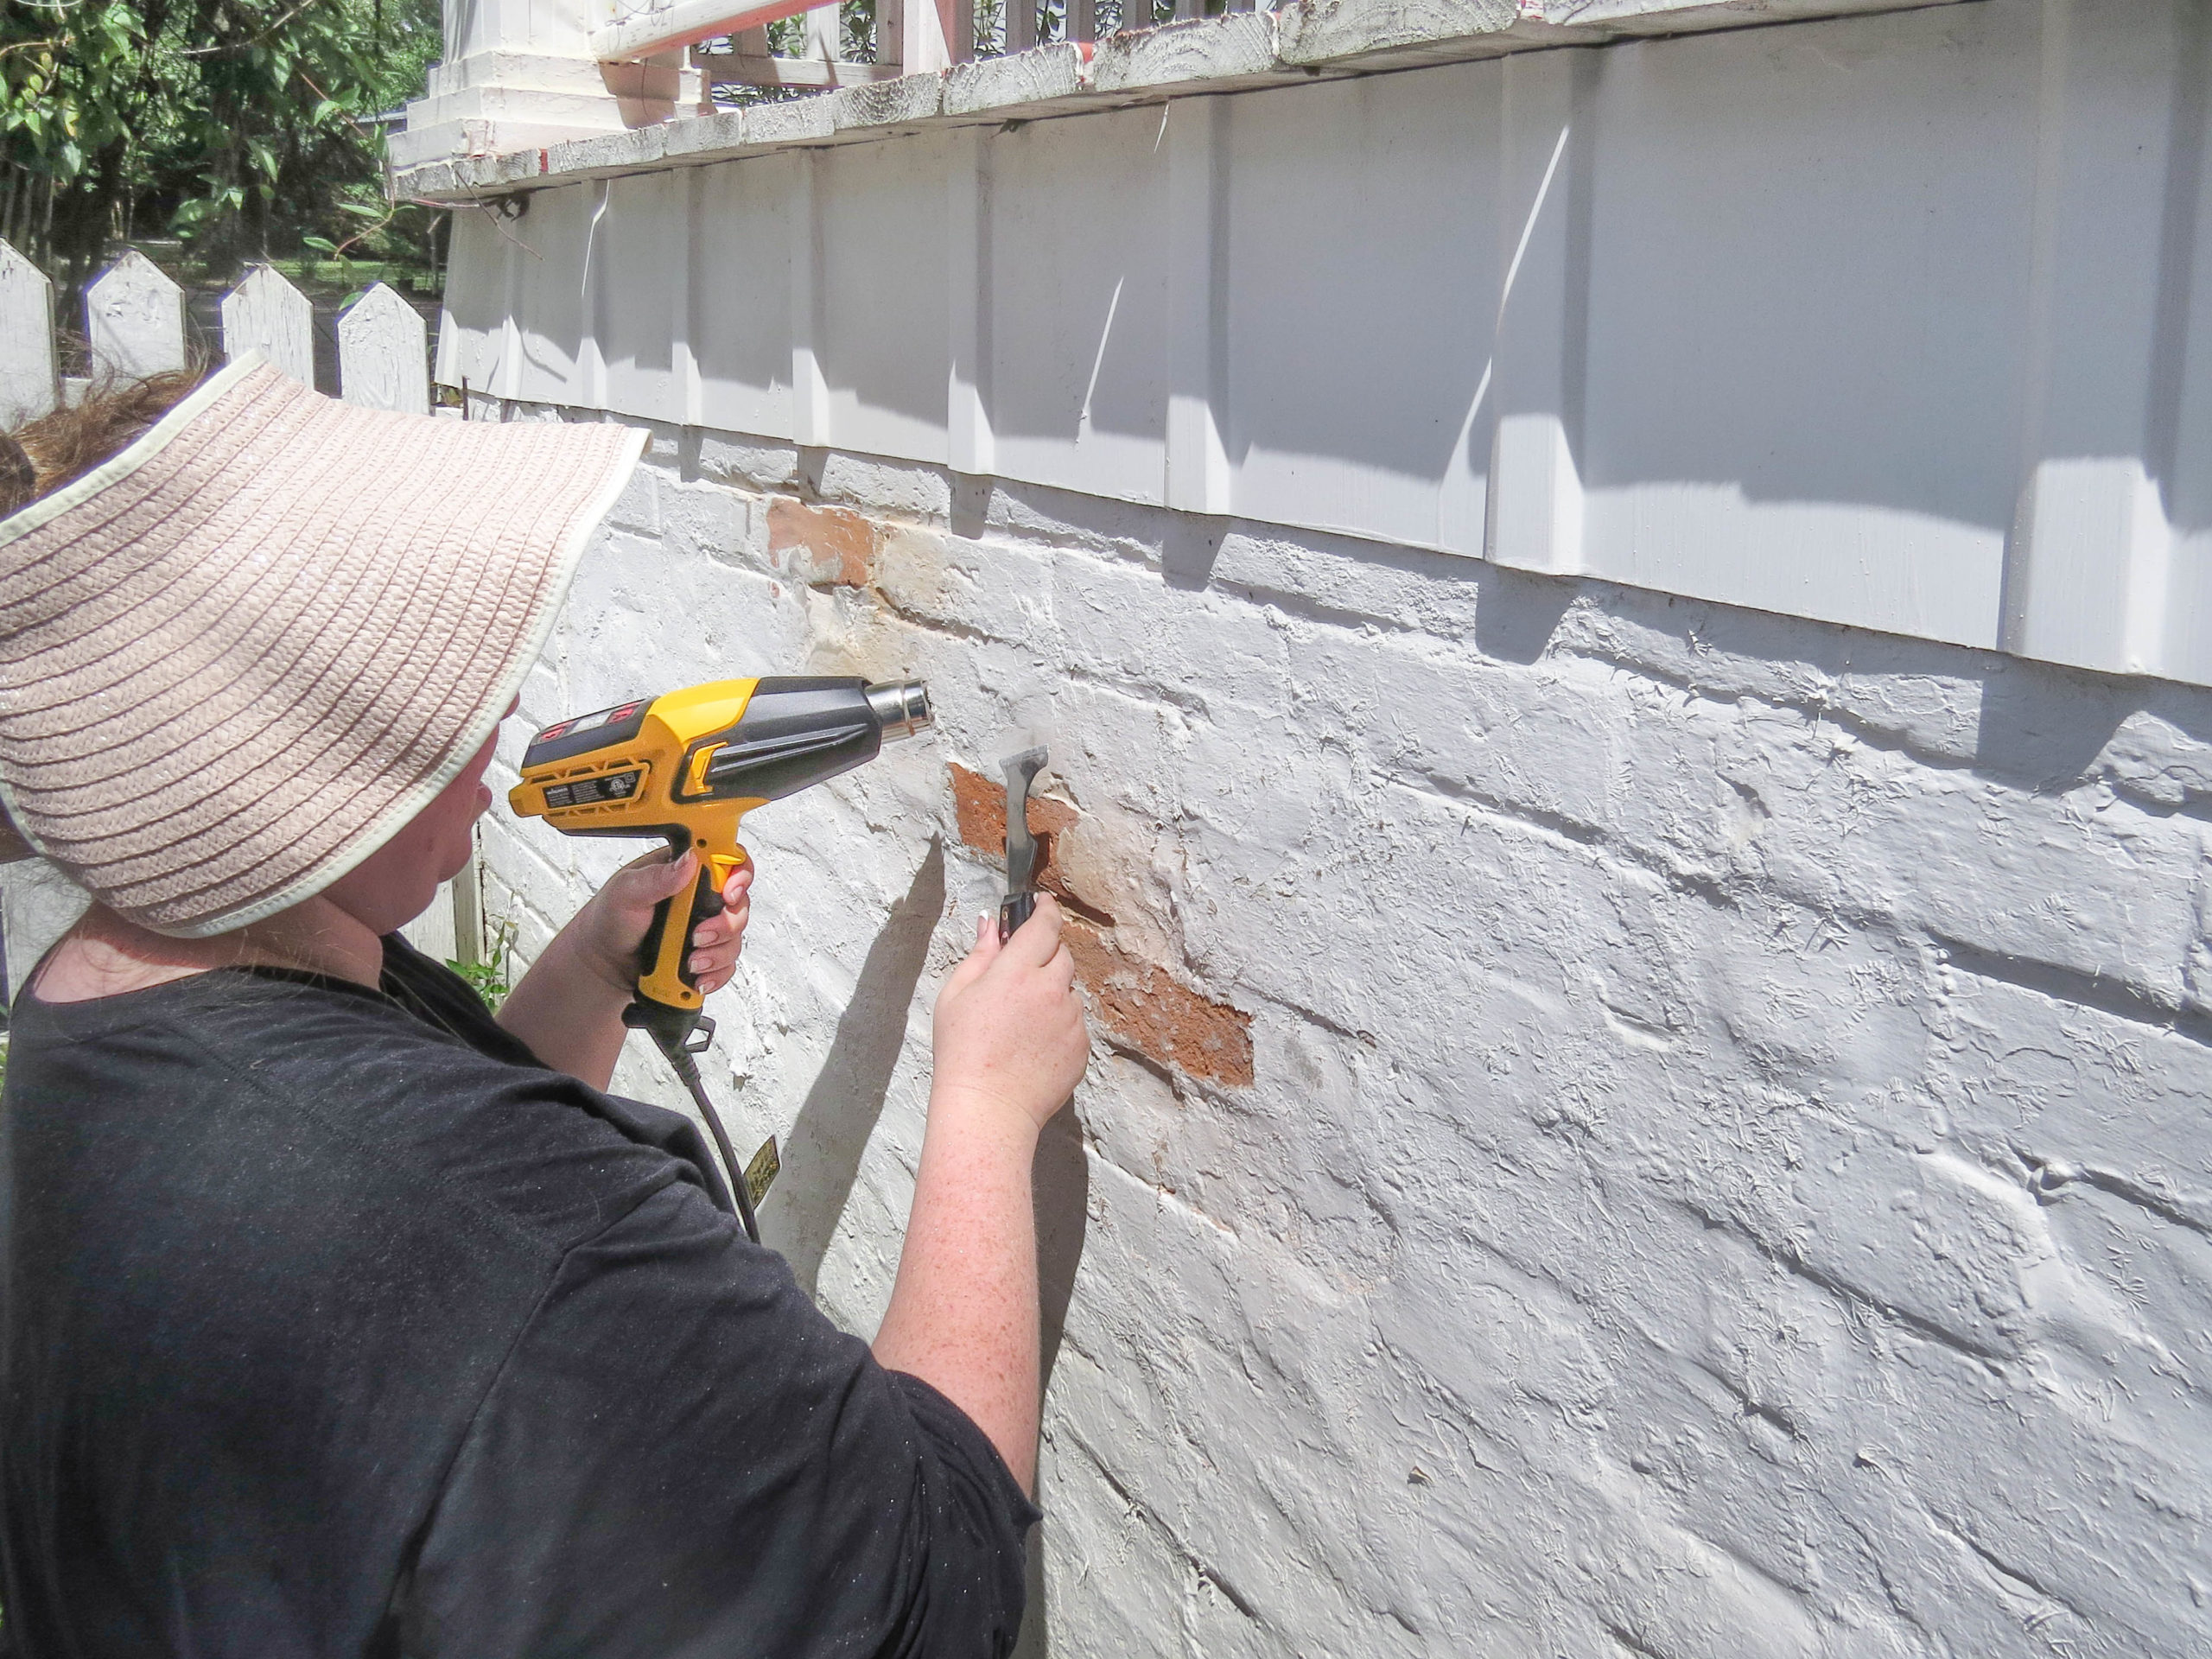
(656, 876)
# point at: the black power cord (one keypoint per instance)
(688, 1070)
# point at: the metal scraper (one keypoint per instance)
(1022, 770)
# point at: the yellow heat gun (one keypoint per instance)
(685, 768)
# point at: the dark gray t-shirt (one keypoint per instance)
(332, 1323)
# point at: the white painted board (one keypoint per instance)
(134, 320)
(640, 295)
(382, 354)
(265, 312)
(1899, 321)
(27, 387)
(738, 229)
(1078, 307)
(883, 348)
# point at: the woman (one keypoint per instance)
(340, 1318)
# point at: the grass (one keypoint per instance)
(350, 274)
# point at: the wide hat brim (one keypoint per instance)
(237, 657)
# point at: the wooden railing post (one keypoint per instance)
(890, 34)
(822, 45)
(925, 33)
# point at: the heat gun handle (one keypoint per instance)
(665, 973)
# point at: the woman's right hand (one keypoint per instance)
(1010, 1048)
(1009, 1030)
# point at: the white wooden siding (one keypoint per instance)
(1893, 320)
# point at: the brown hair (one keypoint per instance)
(41, 455)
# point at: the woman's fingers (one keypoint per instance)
(739, 882)
(716, 941)
(979, 957)
(712, 930)
(1062, 968)
(1035, 940)
(1008, 1026)
(646, 880)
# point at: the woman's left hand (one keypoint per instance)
(611, 927)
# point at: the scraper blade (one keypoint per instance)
(1022, 770)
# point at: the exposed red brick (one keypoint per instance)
(980, 807)
(824, 547)
(1141, 1001)
(1158, 1015)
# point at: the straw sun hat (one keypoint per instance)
(238, 656)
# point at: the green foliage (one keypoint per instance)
(489, 978)
(244, 127)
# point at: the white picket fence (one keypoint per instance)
(134, 326)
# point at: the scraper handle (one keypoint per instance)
(1013, 912)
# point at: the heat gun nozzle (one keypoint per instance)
(900, 707)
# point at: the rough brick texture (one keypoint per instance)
(979, 810)
(825, 547)
(1140, 1003)
(1722, 1166)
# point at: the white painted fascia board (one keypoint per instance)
(1230, 52)
(1223, 53)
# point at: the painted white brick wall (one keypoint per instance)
(1728, 1171)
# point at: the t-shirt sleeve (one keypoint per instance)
(683, 1456)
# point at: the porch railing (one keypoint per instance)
(844, 45)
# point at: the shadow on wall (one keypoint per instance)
(1518, 614)
(841, 1112)
(1061, 1186)
(2047, 728)
(2032, 739)
(826, 1143)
